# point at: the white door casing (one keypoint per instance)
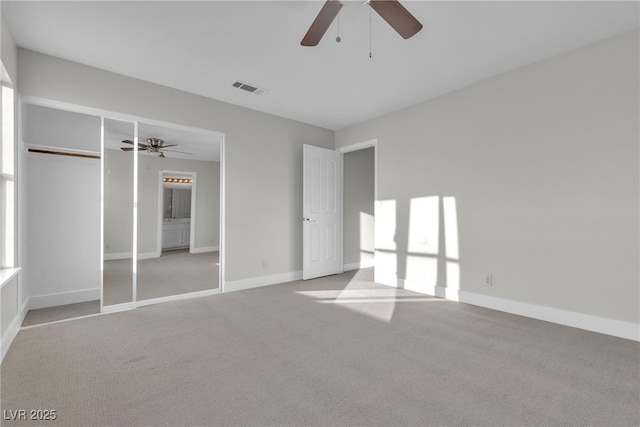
(322, 212)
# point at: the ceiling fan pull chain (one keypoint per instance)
(338, 39)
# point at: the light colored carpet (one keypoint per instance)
(175, 272)
(61, 312)
(339, 350)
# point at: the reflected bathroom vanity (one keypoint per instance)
(176, 221)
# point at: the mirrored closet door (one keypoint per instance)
(178, 212)
(161, 212)
(118, 154)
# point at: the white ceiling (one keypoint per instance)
(205, 46)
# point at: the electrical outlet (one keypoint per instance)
(265, 265)
(488, 280)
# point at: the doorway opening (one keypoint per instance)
(360, 197)
(176, 210)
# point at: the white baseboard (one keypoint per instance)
(180, 297)
(149, 255)
(52, 300)
(12, 331)
(256, 282)
(114, 308)
(616, 328)
(588, 322)
(129, 255)
(204, 249)
(359, 265)
(117, 255)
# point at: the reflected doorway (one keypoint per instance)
(185, 265)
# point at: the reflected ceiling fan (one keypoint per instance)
(153, 145)
(390, 10)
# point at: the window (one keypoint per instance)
(7, 177)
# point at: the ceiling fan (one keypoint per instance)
(390, 10)
(153, 145)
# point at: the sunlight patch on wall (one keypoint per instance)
(366, 236)
(431, 262)
(452, 248)
(385, 243)
(423, 240)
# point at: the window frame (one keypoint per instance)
(8, 208)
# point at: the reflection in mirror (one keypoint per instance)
(178, 212)
(62, 176)
(118, 157)
(177, 201)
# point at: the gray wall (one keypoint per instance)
(542, 164)
(63, 216)
(63, 205)
(118, 195)
(8, 50)
(358, 206)
(263, 154)
(10, 308)
(60, 129)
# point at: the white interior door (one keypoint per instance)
(321, 212)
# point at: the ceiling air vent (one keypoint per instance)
(249, 88)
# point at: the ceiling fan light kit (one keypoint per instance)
(178, 180)
(396, 15)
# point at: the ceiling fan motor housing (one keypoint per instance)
(154, 144)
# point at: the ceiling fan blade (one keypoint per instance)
(126, 148)
(322, 22)
(170, 145)
(140, 144)
(397, 16)
(175, 151)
